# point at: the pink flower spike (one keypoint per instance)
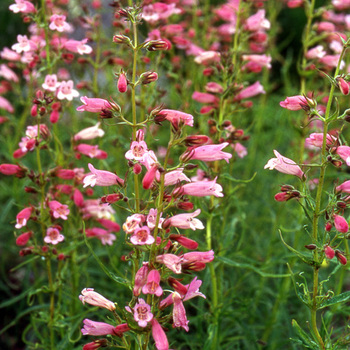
(97, 328)
(142, 313)
(95, 105)
(152, 286)
(59, 210)
(210, 153)
(179, 312)
(186, 221)
(23, 217)
(58, 22)
(88, 295)
(284, 165)
(141, 236)
(201, 189)
(53, 236)
(171, 261)
(159, 336)
(344, 153)
(101, 178)
(66, 91)
(340, 224)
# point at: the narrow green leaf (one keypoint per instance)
(231, 178)
(307, 341)
(341, 298)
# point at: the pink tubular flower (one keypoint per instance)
(204, 97)
(207, 57)
(79, 47)
(53, 236)
(59, 210)
(24, 44)
(95, 105)
(66, 91)
(259, 60)
(132, 222)
(97, 328)
(58, 22)
(257, 22)
(316, 52)
(316, 139)
(344, 153)
(51, 83)
(152, 286)
(23, 217)
(171, 261)
(340, 224)
(95, 344)
(22, 6)
(23, 239)
(240, 150)
(179, 312)
(201, 189)
(284, 165)
(184, 241)
(344, 187)
(103, 235)
(250, 91)
(141, 236)
(8, 73)
(122, 83)
(295, 103)
(210, 153)
(142, 313)
(149, 177)
(343, 86)
(175, 176)
(140, 279)
(12, 169)
(101, 178)
(186, 221)
(159, 336)
(204, 257)
(91, 151)
(89, 133)
(176, 117)
(5, 104)
(89, 296)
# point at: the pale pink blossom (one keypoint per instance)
(341, 4)
(344, 86)
(171, 261)
(344, 187)
(95, 105)
(140, 279)
(315, 52)
(209, 153)
(89, 133)
(152, 285)
(204, 257)
(94, 208)
(133, 222)
(174, 177)
(240, 149)
(51, 82)
(24, 44)
(154, 12)
(325, 27)
(59, 210)
(344, 153)
(66, 91)
(284, 165)
(58, 22)
(5, 104)
(79, 47)
(214, 88)
(22, 6)
(97, 328)
(257, 22)
(176, 117)
(23, 217)
(201, 189)
(336, 46)
(103, 235)
(208, 57)
(142, 313)
(316, 139)
(295, 103)
(141, 236)
(186, 221)
(260, 60)
(179, 312)
(332, 61)
(8, 73)
(137, 151)
(152, 219)
(101, 178)
(91, 151)
(9, 55)
(250, 91)
(53, 236)
(205, 97)
(88, 295)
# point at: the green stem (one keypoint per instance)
(97, 61)
(236, 37)
(47, 46)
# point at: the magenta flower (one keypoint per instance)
(97, 328)
(140, 279)
(171, 261)
(295, 103)
(329, 252)
(250, 91)
(79, 47)
(204, 257)
(201, 189)
(95, 344)
(152, 219)
(53, 236)
(59, 210)
(152, 286)
(284, 165)
(95, 105)
(186, 221)
(184, 241)
(344, 187)
(149, 177)
(23, 217)
(23, 239)
(101, 178)
(122, 84)
(179, 312)
(142, 313)
(159, 336)
(344, 153)
(141, 236)
(88, 295)
(340, 224)
(205, 97)
(209, 153)
(89, 133)
(343, 86)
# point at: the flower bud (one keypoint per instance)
(157, 45)
(34, 110)
(343, 86)
(122, 83)
(329, 252)
(137, 168)
(328, 226)
(196, 140)
(148, 77)
(310, 246)
(121, 39)
(341, 258)
(24, 238)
